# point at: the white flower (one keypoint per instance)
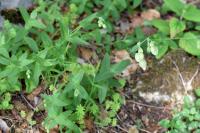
(101, 23)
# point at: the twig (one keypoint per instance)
(187, 85)
(195, 74)
(122, 129)
(144, 130)
(146, 105)
(119, 118)
(24, 98)
(180, 75)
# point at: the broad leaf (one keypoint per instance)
(136, 3)
(192, 13)
(31, 43)
(175, 5)
(119, 67)
(162, 49)
(102, 92)
(190, 43)
(176, 26)
(162, 25)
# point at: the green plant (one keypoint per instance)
(74, 99)
(174, 32)
(111, 109)
(187, 120)
(43, 49)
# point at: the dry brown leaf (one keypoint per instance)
(86, 53)
(150, 14)
(120, 55)
(124, 55)
(149, 30)
(130, 69)
(35, 93)
(89, 124)
(55, 130)
(133, 129)
(136, 21)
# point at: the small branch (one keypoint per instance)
(180, 75)
(122, 129)
(143, 130)
(146, 105)
(195, 74)
(24, 98)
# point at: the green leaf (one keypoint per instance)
(189, 12)
(21, 33)
(197, 92)
(78, 40)
(83, 92)
(176, 26)
(192, 13)
(193, 125)
(102, 92)
(119, 67)
(62, 119)
(122, 3)
(34, 23)
(180, 124)
(162, 49)
(86, 21)
(45, 39)
(57, 99)
(175, 5)
(36, 73)
(4, 61)
(23, 61)
(162, 25)
(187, 102)
(190, 43)
(103, 76)
(105, 64)
(197, 27)
(24, 14)
(4, 52)
(172, 44)
(165, 123)
(104, 72)
(31, 43)
(136, 3)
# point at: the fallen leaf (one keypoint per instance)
(130, 69)
(136, 21)
(35, 93)
(150, 14)
(4, 127)
(149, 30)
(86, 53)
(120, 55)
(124, 55)
(55, 129)
(89, 124)
(133, 129)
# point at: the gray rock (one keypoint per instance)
(12, 4)
(1, 22)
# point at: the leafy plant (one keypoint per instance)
(187, 120)
(174, 29)
(86, 84)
